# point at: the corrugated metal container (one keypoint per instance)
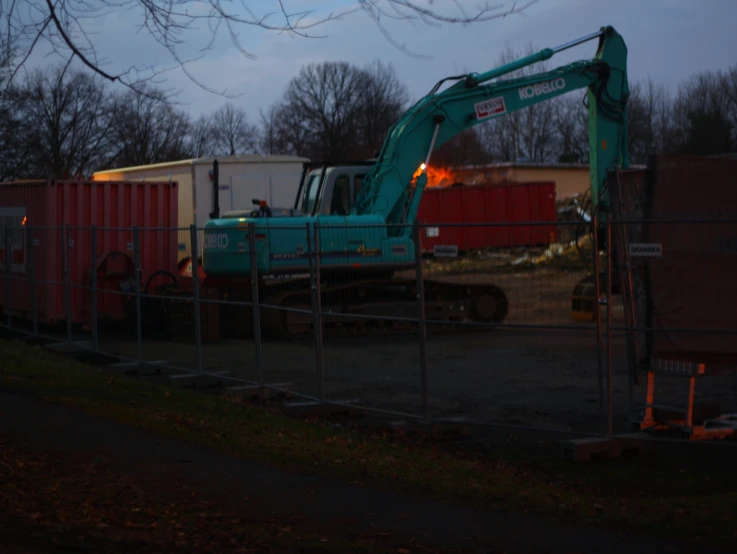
(51, 215)
(489, 203)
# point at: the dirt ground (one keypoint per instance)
(543, 377)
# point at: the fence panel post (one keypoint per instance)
(8, 277)
(317, 307)
(137, 271)
(66, 249)
(609, 328)
(196, 295)
(255, 309)
(599, 303)
(421, 331)
(93, 287)
(32, 281)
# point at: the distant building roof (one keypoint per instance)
(535, 165)
(24, 182)
(246, 158)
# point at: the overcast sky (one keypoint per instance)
(667, 39)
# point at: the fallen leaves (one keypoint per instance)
(64, 493)
(61, 494)
(132, 525)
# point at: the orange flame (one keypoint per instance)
(441, 177)
(437, 176)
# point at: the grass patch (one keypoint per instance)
(642, 494)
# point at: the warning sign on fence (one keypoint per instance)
(646, 249)
(445, 250)
(13, 235)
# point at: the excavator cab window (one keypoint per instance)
(340, 202)
(357, 183)
(312, 187)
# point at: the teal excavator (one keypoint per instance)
(362, 216)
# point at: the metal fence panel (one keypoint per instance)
(518, 357)
(494, 335)
(677, 340)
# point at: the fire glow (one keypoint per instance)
(437, 176)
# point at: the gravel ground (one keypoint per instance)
(544, 378)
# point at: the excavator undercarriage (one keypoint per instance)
(378, 306)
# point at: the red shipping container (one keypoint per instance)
(49, 215)
(532, 202)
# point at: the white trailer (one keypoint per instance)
(241, 179)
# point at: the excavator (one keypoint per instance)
(361, 216)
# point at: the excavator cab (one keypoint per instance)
(330, 189)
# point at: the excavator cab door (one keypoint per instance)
(340, 197)
(356, 188)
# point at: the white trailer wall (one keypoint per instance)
(274, 181)
(241, 179)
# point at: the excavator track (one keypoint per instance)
(378, 307)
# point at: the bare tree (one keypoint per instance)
(730, 91)
(703, 116)
(649, 113)
(232, 133)
(268, 136)
(701, 119)
(67, 27)
(13, 154)
(466, 148)
(148, 129)
(527, 134)
(72, 119)
(327, 96)
(15, 148)
(382, 103)
(201, 137)
(286, 132)
(277, 133)
(571, 121)
(335, 110)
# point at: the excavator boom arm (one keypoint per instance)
(393, 189)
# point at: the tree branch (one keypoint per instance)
(63, 23)
(73, 47)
